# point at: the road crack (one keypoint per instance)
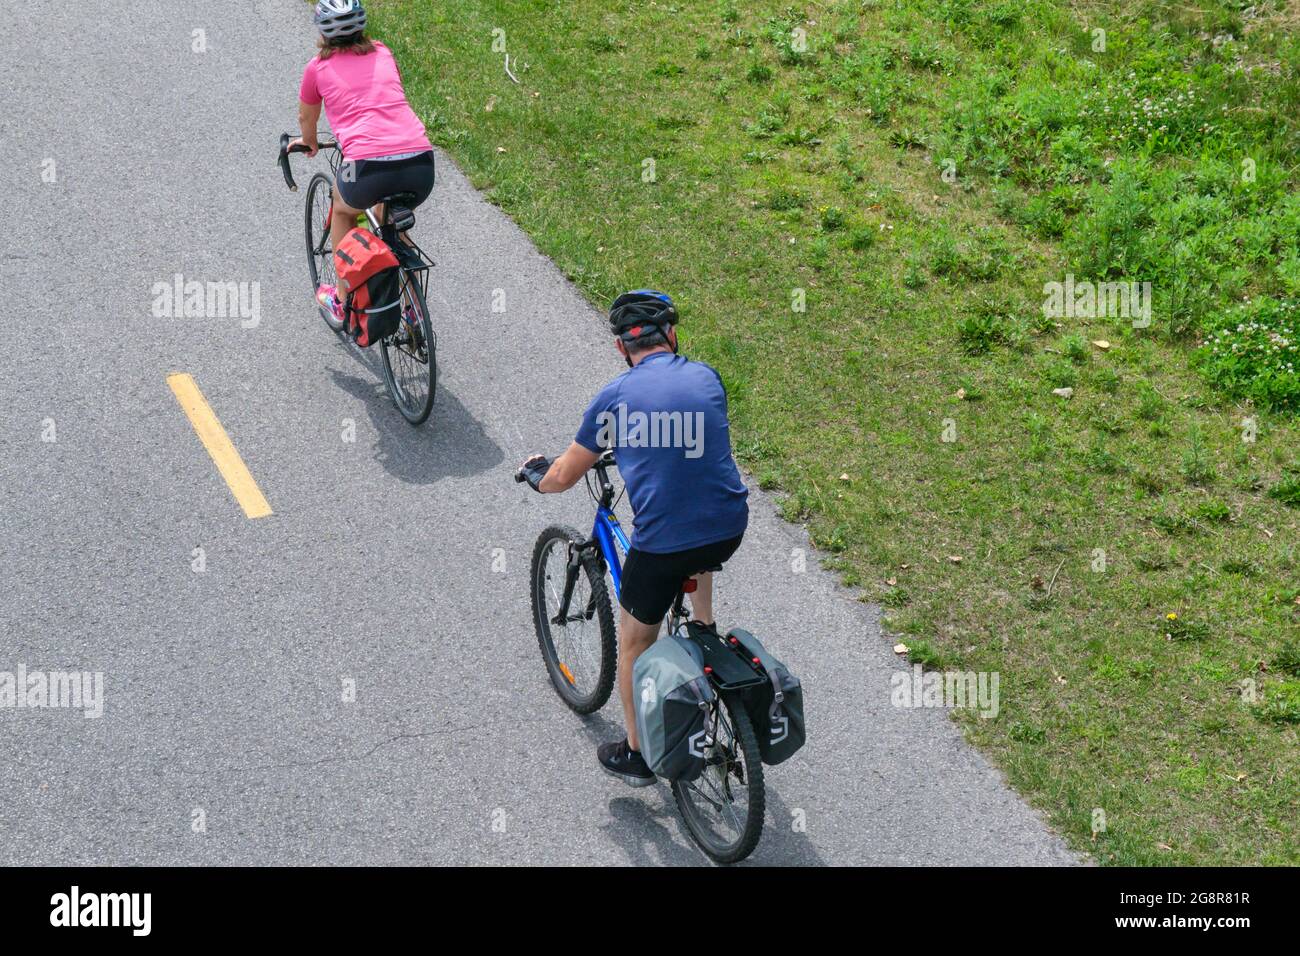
(330, 758)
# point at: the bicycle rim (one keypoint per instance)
(320, 254)
(411, 356)
(579, 654)
(723, 808)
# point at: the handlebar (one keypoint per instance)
(533, 471)
(286, 149)
(533, 475)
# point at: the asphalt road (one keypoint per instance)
(134, 158)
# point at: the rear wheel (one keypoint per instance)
(320, 254)
(580, 651)
(411, 355)
(723, 807)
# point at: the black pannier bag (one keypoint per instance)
(776, 708)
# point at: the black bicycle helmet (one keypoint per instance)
(640, 313)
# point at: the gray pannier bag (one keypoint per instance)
(673, 700)
(777, 711)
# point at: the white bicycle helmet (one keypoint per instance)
(340, 18)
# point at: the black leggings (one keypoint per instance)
(366, 181)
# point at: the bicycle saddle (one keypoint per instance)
(690, 584)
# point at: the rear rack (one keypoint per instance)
(726, 663)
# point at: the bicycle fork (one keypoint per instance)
(572, 569)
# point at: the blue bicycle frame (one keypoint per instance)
(607, 532)
(609, 535)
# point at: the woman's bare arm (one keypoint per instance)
(308, 118)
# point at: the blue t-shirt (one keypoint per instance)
(666, 420)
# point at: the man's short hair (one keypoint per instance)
(646, 341)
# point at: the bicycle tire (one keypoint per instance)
(320, 256)
(562, 677)
(756, 803)
(403, 343)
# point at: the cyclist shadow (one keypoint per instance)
(640, 824)
(782, 844)
(450, 444)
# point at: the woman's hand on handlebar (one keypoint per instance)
(299, 144)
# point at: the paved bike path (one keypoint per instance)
(396, 561)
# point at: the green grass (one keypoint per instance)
(859, 229)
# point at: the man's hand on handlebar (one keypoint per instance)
(533, 470)
(562, 473)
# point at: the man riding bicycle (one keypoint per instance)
(665, 419)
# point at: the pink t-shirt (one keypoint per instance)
(365, 104)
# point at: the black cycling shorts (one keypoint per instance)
(651, 581)
(366, 181)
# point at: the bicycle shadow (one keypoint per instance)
(645, 825)
(781, 844)
(640, 827)
(451, 444)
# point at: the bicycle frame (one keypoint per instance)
(606, 533)
(609, 538)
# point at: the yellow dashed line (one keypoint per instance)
(217, 442)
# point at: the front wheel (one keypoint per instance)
(320, 253)
(579, 648)
(723, 807)
(411, 355)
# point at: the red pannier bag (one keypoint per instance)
(370, 284)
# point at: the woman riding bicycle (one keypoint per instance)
(385, 148)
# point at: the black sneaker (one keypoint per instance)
(625, 763)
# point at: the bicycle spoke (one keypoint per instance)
(570, 641)
(580, 640)
(730, 807)
(406, 346)
(724, 804)
(715, 803)
(721, 808)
